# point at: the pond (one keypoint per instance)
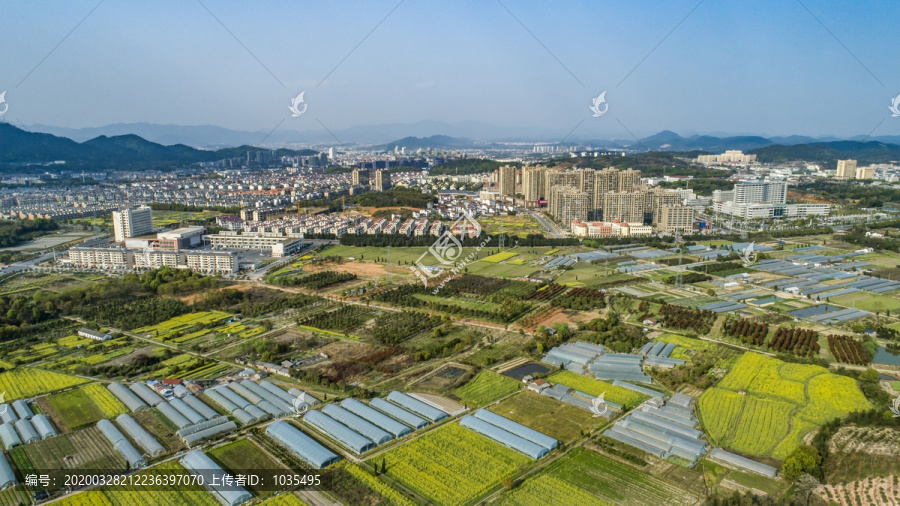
(883, 356)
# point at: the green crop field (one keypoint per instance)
(765, 407)
(83, 449)
(499, 257)
(868, 301)
(451, 465)
(611, 393)
(685, 342)
(583, 475)
(556, 419)
(87, 405)
(181, 324)
(485, 387)
(242, 455)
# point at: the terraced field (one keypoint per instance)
(765, 407)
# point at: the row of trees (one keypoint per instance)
(315, 281)
(581, 299)
(848, 350)
(396, 327)
(13, 232)
(679, 317)
(802, 342)
(748, 331)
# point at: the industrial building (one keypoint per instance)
(279, 246)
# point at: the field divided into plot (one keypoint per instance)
(590, 386)
(585, 477)
(451, 465)
(84, 406)
(485, 387)
(181, 324)
(765, 407)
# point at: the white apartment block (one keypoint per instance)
(213, 261)
(152, 259)
(132, 222)
(97, 257)
(279, 246)
(730, 156)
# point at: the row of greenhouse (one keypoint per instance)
(360, 427)
(658, 354)
(511, 434)
(21, 426)
(662, 429)
(583, 358)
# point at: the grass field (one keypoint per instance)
(868, 301)
(558, 420)
(87, 405)
(585, 477)
(451, 465)
(29, 382)
(627, 398)
(485, 387)
(765, 407)
(241, 456)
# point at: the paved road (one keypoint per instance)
(547, 224)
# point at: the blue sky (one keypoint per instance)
(762, 67)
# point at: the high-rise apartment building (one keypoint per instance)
(360, 177)
(533, 179)
(382, 180)
(865, 172)
(846, 169)
(676, 219)
(132, 222)
(567, 203)
(623, 206)
(507, 181)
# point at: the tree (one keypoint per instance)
(803, 459)
(507, 482)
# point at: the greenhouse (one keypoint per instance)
(275, 401)
(646, 348)
(668, 415)
(234, 398)
(636, 388)
(9, 436)
(128, 398)
(276, 390)
(26, 431)
(662, 423)
(221, 400)
(200, 407)
(681, 400)
(667, 350)
(187, 411)
(7, 476)
(398, 413)
(257, 413)
(416, 406)
(743, 463)
(43, 426)
(339, 432)
(517, 429)
(269, 408)
(244, 417)
(385, 422)
(303, 396)
(614, 433)
(302, 445)
(147, 394)
(121, 444)
(7, 413)
(214, 476)
(657, 347)
(22, 409)
(507, 439)
(371, 431)
(143, 438)
(663, 362)
(173, 415)
(244, 392)
(222, 427)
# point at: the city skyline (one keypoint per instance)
(692, 68)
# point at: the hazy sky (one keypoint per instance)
(761, 67)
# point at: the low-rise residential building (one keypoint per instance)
(212, 261)
(97, 257)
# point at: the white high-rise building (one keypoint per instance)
(132, 222)
(757, 192)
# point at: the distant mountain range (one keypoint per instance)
(18, 146)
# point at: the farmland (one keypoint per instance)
(556, 419)
(396, 498)
(607, 481)
(242, 455)
(29, 382)
(452, 465)
(611, 393)
(486, 387)
(548, 489)
(765, 407)
(83, 449)
(87, 405)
